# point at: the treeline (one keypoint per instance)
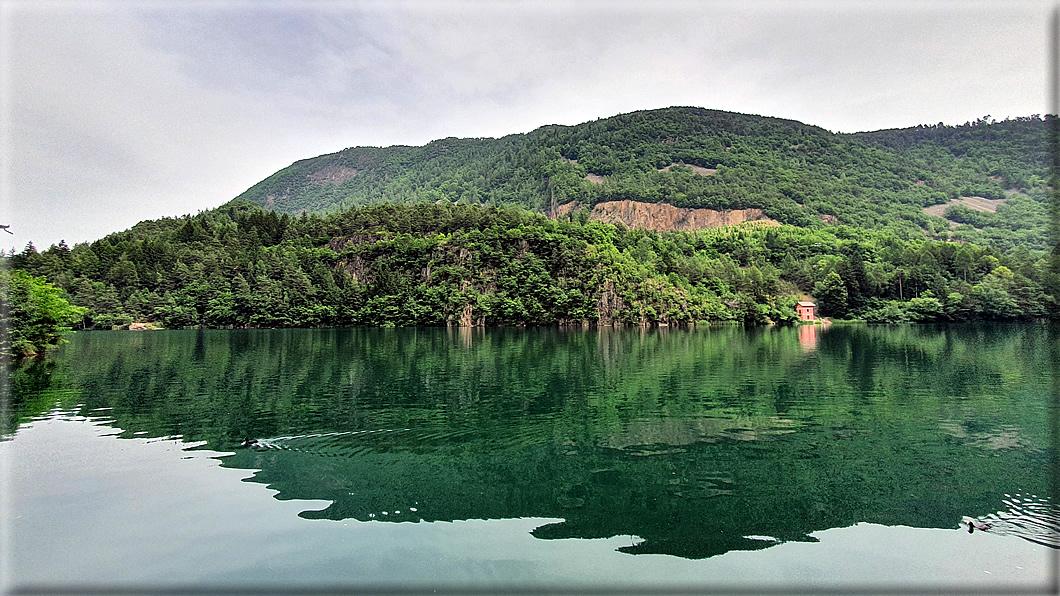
(427, 264)
(797, 174)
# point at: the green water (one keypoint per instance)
(688, 444)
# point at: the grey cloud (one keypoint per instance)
(323, 56)
(125, 111)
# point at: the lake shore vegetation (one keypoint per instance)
(242, 266)
(36, 314)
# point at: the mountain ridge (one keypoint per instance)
(795, 173)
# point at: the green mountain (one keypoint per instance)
(984, 181)
(600, 223)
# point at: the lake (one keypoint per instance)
(615, 460)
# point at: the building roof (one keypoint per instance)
(802, 303)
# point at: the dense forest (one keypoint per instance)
(692, 157)
(445, 264)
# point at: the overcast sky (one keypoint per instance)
(116, 112)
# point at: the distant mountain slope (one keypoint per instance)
(695, 158)
(1014, 153)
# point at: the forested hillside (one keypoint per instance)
(696, 158)
(444, 264)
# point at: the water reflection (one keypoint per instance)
(699, 442)
(808, 337)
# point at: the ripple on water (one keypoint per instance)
(1029, 517)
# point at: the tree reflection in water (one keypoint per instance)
(699, 442)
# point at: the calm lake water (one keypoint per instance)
(535, 459)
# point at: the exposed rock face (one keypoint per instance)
(339, 243)
(700, 170)
(661, 216)
(976, 203)
(333, 175)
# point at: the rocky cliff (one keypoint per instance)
(661, 216)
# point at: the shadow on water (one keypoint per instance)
(699, 442)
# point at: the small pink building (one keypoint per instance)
(807, 311)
